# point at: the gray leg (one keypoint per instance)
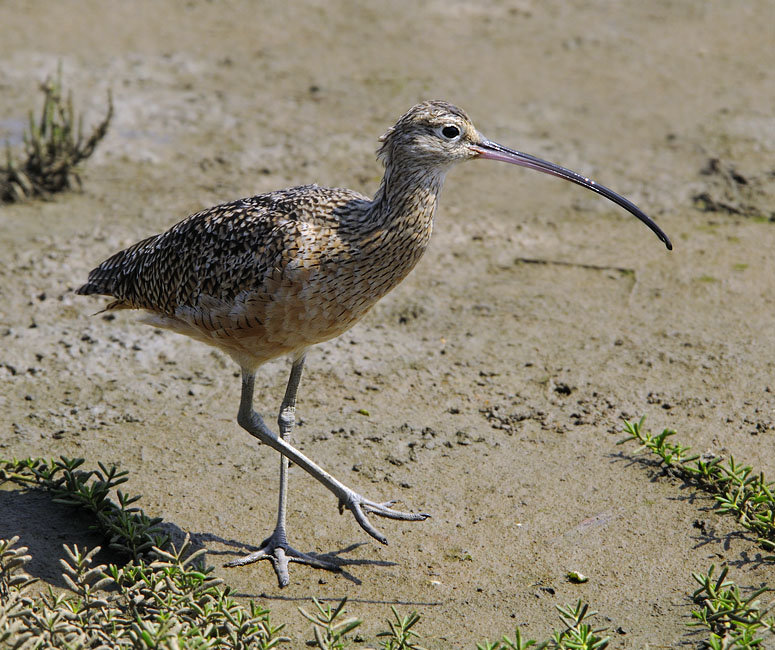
(275, 547)
(354, 502)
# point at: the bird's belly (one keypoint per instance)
(318, 309)
(314, 303)
(288, 314)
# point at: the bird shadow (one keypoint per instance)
(40, 524)
(333, 599)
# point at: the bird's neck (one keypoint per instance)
(395, 228)
(406, 200)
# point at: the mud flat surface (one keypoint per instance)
(496, 377)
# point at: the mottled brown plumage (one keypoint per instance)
(273, 274)
(276, 273)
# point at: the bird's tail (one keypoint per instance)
(91, 288)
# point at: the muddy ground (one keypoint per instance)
(497, 376)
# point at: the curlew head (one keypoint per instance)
(437, 135)
(431, 134)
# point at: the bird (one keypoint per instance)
(274, 274)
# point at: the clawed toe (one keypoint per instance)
(386, 510)
(279, 553)
(360, 507)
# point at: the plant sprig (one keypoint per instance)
(328, 627)
(734, 621)
(400, 635)
(735, 488)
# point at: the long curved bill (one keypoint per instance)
(494, 151)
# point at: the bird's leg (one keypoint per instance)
(286, 420)
(358, 505)
(275, 547)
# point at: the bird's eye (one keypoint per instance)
(450, 132)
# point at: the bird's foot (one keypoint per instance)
(360, 507)
(277, 550)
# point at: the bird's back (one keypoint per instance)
(218, 252)
(263, 268)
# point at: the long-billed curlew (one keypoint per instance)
(276, 273)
